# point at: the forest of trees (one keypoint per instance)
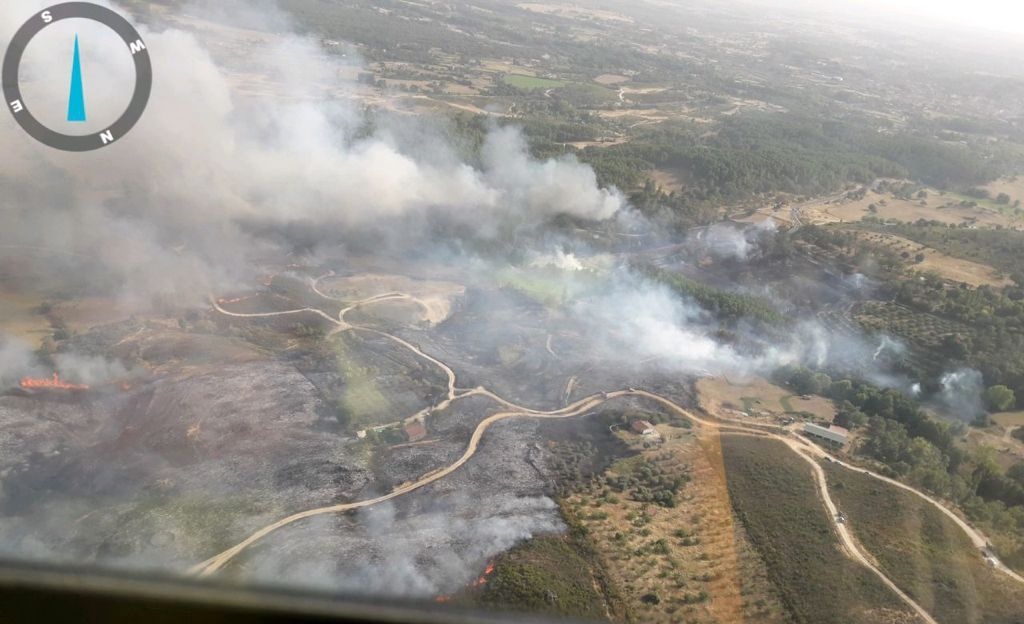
(918, 448)
(727, 307)
(989, 320)
(764, 153)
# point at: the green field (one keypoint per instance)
(520, 81)
(774, 496)
(924, 552)
(362, 404)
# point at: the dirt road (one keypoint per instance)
(809, 452)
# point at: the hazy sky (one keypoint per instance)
(1002, 15)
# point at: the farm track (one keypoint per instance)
(809, 452)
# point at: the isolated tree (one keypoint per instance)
(1002, 198)
(999, 398)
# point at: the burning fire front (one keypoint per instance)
(54, 383)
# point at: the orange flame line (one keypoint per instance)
(54, 383)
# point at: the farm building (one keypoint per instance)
(643, 427)
(415, 431)
(832, 433)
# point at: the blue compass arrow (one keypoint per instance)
(76, 101)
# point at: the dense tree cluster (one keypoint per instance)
(652, 482)
(992, 339)
(918, 448)
(727, 307)
(766, 153)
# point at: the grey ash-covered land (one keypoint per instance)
(201, 444)
(165, 470)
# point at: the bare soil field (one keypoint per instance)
(758, 399)
(640, 115)
(1008, 450)
(667, 180)
(81, 314)
(954, 269)
(937, 208)
(1009, 419)
(610, 79)
(1012, 186)
(600, 143)
(574, 11)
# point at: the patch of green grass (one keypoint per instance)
(520, 81)
(774, 496)
(362, 403)
(628, 465)
(786, 405)
(924, 552)
(749, 403)
(549, 286)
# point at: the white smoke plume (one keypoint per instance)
(731, 242)
(960, 394)
(88, 369)
(161, 208)
(17, 360)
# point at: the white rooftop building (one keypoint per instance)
(832, 433)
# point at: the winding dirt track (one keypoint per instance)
(809, 452)
(850, 546)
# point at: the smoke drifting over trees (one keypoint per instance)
(203, 159)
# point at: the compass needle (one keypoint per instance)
(76, 101)
(101, 136)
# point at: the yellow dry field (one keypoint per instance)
(1009, 419)
(435, 298)
(693, 557)
(642, 90)
(505, 67)
(573, 11)
(600, 143)
(999, 444)
(642, 115)
(937, 208)
(610, 79)
(18, 317)
(757, 399)
(667, 180)
(1012, 186)
(82, 314)
(780, 217)
(948, 267)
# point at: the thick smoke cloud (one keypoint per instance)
(726, 241)
(16, 361)
(437, 551)
(161, 209)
